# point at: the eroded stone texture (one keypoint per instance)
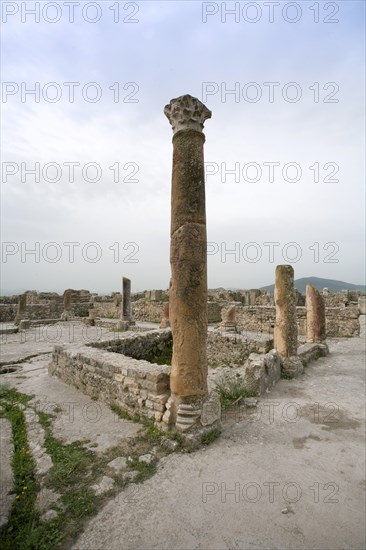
(165, 323)
(188, 258)
(285, 330)
(315, 316)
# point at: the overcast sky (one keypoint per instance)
(138, 56)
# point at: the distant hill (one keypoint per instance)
(317, 282)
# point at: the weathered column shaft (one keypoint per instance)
(21, 308)
(67, 298)
(126, 299)
(188, 250)
(285, 331)
(315, 316)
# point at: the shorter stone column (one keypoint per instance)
(165, 323)
(21, 309)
(67, 312)
(228, 316)
(90, 321)
(285, 330)
(315, 316)
(126, 309)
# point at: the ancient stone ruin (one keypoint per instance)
(285, 332)
(188, 258)
(315, 316)
(126, 309)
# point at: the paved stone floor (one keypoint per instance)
(289, 475)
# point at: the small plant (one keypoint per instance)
(211, 436)
(231, 389)
(164, 357)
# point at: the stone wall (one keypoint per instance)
(232, 351)
(150, 312)
(213, 312)
(340, 321)
(340, 299)
(107, 309)
(8, 312)
(144, 346)
(134, 385)
(45, 305)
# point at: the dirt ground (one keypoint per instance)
(287, 474)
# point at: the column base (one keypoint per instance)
(291, 367)
(189, 414)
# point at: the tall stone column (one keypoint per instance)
(285, 330)
(188, 259)
(315, 316)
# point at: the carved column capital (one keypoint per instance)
(187, 113)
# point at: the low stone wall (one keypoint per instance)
(256, 318)
(214, 312)
(7, 312)
(262, 372)
(134, 385)
(144, 346)
(150, 312)
(340, 321)
(231, 351)
(107, 310)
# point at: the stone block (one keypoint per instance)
(310, 352)
(362, 305)
(292, 366)
(262, 372)
(118, 464)
(104, 485)
(158, 407)
(211, 410)
(362, 321)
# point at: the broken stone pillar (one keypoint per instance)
(228, 315)
(21, 309)
(90, 321)
(156, 295)
(165, 323)
(253, 295)
(315, 316)
(285, 330)
(362, 317)
(126, 299)
(186, 407)
(66, 315)
(126, 308)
